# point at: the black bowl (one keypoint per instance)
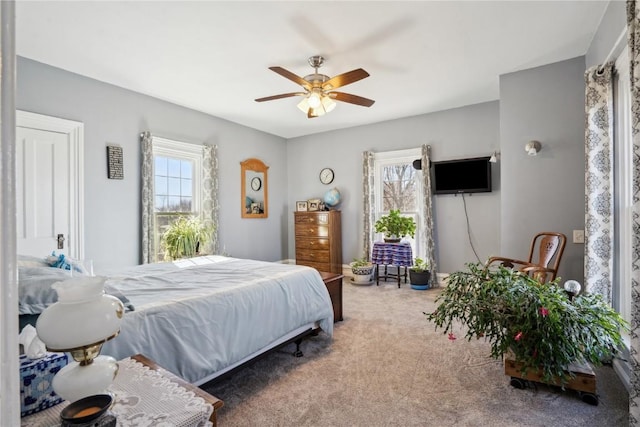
(86, 409)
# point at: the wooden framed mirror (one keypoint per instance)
(254, 202)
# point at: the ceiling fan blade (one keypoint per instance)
(283, 95)
(351, 99)
(345, 79)
(289, 75)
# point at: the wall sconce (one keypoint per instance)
(494, 157)
(532, 147)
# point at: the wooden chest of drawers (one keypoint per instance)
(319, 240)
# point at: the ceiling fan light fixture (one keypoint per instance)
(323, 104)
(304, 105)
(328, 104)
(314, 100)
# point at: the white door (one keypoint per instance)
(48, 185)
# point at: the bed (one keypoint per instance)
(202, 317)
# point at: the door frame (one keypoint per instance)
(75, 132)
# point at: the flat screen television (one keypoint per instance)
(462, 176)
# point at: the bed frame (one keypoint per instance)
(233, 369)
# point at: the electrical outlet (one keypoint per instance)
(578, 236)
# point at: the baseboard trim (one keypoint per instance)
(621, 367)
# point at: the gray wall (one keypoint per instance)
(545, 192)
(613, 23)
(118, 116)
(530, 194)
(470, 131)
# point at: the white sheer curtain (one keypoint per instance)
(633, 26)
(599, 190)
(368, 202)
(427, 213)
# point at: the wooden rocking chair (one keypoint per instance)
(549, 247)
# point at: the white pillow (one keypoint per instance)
(32, 261)
(34, 288)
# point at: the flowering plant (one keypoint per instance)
(537, 322)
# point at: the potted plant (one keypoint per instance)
(362, 270)
(185, 236)
(539, 325)
(419, 274)
(395, 226)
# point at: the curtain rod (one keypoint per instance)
(614, 48)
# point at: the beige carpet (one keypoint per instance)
(386, 366)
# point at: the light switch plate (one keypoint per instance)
(578, 236)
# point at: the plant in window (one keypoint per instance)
(395, 226)
(543, 329)
(185, 236)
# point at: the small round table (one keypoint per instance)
(395, 254)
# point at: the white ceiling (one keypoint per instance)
(214, 56)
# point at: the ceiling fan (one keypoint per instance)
(319, 93)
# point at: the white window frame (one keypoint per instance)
(387, 158)
(182, 151)
(623, 183)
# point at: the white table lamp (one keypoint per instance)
(81, 321)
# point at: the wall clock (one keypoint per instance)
(326, 176)
(256, 183)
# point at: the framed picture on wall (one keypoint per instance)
(302, 206)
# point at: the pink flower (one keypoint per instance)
(518, 336)
(544, 312)
(452, 337)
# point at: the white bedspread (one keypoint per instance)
(198, 316)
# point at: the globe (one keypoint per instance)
(332, 198)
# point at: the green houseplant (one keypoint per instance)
(395, 226)
(185, 236)
(538, 323)
(419, 274)
(362, 270)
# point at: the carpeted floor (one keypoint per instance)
(386, 366)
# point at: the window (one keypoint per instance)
(177, 173)
(398, 185)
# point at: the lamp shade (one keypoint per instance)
(84, 315)
(314, 100)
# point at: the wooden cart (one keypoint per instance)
(583, 381)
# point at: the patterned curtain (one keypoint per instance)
(598, 256)
(368, 201)
(148, 243)
(210, 203)
(427, 213)
(633, 27)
